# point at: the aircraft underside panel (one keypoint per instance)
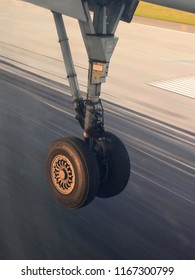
(72, 8)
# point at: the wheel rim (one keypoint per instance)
(62, 174)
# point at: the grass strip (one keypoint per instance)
(158, 12)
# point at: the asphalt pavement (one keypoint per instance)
(154, 217)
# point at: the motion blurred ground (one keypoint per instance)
(154, 218)
(144, 54)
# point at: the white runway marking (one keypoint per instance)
(184, 86)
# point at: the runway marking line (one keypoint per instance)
(183, 86)
(157, 184)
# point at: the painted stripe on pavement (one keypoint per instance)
(183, 86)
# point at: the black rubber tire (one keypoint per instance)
(73, 155)
(118, 167)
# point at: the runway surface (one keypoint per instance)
(154, 218)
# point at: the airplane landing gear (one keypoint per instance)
(79, 170)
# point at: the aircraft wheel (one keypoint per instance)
(115, 169)
(73, 172)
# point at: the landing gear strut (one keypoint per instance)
(99, 165)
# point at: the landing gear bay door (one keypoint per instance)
(71, 8)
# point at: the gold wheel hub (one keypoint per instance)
(62, 174)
